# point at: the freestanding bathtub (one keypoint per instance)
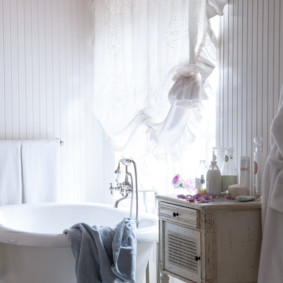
(34, 250)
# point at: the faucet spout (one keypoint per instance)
(120, 199)
(128, 186)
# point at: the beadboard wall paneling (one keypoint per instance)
(251, 67)
(46, 84)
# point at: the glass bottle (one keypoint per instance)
(229, 171)
(213, 178)
(220, 154)
(258, 164)
(200, 173)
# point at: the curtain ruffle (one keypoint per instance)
(188, 90)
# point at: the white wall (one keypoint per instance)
(46, 86)
(46, 82)
(251, 72)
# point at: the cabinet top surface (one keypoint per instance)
(218, 203)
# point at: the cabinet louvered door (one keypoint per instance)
(182, 251)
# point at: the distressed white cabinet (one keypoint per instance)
(215, 242)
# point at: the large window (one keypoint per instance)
(152, 60)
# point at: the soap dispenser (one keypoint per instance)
(213, 178)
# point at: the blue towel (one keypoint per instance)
(103, 254)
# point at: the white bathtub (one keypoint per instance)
(34, 250)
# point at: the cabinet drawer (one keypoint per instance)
(179, 214)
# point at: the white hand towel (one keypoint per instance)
(40, 163)
(10, 172)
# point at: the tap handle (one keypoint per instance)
(111, 189)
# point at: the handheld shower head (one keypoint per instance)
(126, 161)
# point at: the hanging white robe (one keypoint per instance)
(271, 258)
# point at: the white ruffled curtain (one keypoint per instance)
(151, 62)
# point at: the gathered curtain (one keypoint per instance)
(151, 62)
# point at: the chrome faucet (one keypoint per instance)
(128, 186)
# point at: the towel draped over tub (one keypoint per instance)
(103, 254)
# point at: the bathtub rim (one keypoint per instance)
(12, 236)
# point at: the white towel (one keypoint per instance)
(40, 163)
(10, 172)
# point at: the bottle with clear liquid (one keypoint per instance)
(220, 154)
(202, 188)
(200, 173)
(229, 171)
(258, 164)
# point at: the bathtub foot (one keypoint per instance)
(164, 278)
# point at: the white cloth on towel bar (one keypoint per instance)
(40, 163)
(10, 172)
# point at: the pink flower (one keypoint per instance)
(177, 181)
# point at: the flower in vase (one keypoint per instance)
(177, 181)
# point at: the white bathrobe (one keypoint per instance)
(271, 258)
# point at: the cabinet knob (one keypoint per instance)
(197, 258)
(175, 214)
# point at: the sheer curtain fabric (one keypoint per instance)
(151, 62)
